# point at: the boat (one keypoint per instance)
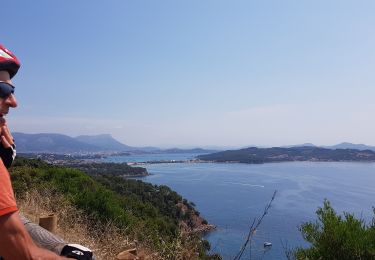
(267, 244)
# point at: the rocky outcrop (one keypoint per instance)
(194, 223)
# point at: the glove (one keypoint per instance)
(77, 252)
(8, 154)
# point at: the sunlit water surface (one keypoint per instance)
(230, 196)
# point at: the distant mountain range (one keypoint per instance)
(351, 146)
(51, 143)
(104, 143)
(344, 145)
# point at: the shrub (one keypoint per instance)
(337, 237)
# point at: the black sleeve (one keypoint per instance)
(7, 155)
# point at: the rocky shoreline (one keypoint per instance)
(202, 229)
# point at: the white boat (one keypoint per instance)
(267, 244)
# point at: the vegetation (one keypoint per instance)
(145, 212)
(117, 169)
(278, 154)
(105, 243)
(337, 237)
(149, 195)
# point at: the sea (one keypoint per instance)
(232, 195)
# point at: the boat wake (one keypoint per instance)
(245, 184)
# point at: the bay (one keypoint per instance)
(231, 195)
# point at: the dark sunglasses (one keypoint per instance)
(6, 89)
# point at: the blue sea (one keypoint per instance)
(231, 195)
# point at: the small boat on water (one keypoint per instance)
(267, 244)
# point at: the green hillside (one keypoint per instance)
(148, 213)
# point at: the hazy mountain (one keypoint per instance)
(59, 144)
(300, 145)
(351, 146)
(194, 150)
(50, 143)
(344, 145)
(105, 142)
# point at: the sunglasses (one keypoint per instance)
(6, 89)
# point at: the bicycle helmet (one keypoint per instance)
(8, 61)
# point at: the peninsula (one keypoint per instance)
(256, 155)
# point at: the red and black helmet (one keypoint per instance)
(8, 61)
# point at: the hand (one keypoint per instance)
(8, 148)
(2, 123)
(77, 252)
(6, 137)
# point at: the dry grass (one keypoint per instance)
(106, 241)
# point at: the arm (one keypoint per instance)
(15, 242)
(42, 237)
(51, 242)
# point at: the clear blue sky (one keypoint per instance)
(195, 73)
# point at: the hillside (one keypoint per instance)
(105, 142)
(148, 213)
(114, 169)
(278, 154)
(45, 143)
(63, 144)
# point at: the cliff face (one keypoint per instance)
(194, 223)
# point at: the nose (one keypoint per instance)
(11, 101)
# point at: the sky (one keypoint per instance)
(195, 73)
